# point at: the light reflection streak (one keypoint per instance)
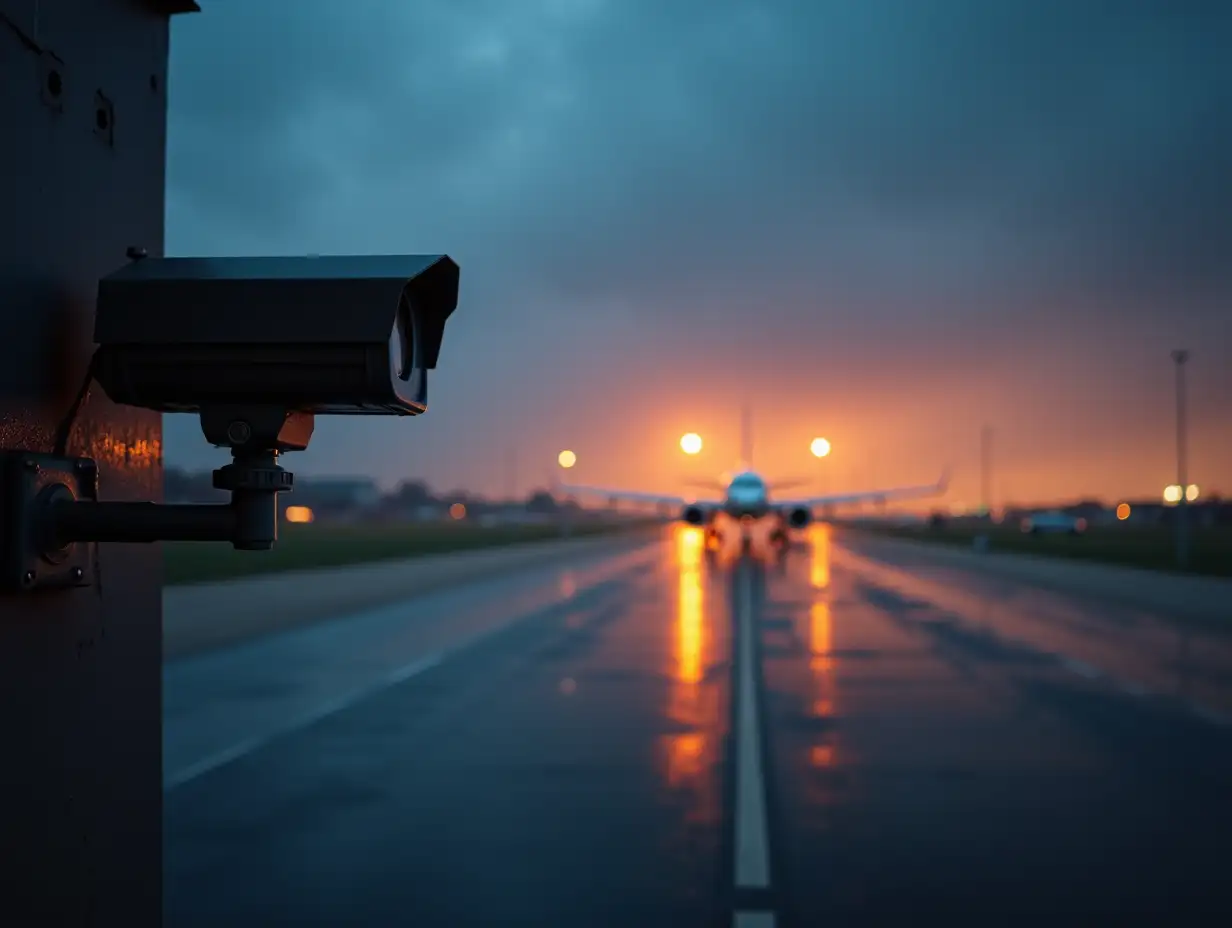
(821, 645)
(689, 608)
(819, 566)
(690, 752)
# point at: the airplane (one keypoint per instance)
(746, 498)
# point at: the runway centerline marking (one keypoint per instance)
(752, 845)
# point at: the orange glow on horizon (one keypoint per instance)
(887, 439)
(457, 511)
(300, 514)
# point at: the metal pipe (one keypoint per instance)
(140, 523)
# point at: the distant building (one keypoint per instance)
(333, 496)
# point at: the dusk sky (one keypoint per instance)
(882, 221)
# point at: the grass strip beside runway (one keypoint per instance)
(304, 547)
(1147, 546)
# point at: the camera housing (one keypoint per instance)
(337, 335)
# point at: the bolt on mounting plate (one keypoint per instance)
(30, 482)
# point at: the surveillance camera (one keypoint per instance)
(257, 347)
(329, 335)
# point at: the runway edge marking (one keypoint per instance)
(392, 678)
(332, 707)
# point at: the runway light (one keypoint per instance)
(298, 514)
(1172, 493)
(820, 447)
(1123, 511)
(457, 511)
(691, 443)
(566, 459)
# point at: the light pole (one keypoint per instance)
(820, 449)
(511, 475)
(565, 459)
(1179, 357)
(986, 470)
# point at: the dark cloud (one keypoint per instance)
(940, 165)
(887, 144)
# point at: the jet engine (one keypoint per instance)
(694, 515)
(799, 517)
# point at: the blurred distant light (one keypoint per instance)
(691, 443)
(820, 447)
(566, 459)
(298, 514)
(1123, 511)
(1172, 493)
(457, 511)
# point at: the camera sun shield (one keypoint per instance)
(329, 335)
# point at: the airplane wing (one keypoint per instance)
(890, 493)
(629, 496)
(778, 486)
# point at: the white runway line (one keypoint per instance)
(334, 706)
(753, 920)
(752, 845)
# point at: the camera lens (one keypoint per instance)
(400, 347)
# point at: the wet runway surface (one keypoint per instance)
(661, 739)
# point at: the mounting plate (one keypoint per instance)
(29, 481)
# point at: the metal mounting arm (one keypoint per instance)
(138, 523)
(53, 516)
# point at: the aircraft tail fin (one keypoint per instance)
(746, 437)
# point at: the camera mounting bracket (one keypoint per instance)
(54, 518)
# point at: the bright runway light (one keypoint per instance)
(820, 447)
(1172, 493)
(566, 459)
(691, 443)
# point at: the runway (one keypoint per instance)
(652, 738)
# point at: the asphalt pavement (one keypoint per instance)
(666, 737)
